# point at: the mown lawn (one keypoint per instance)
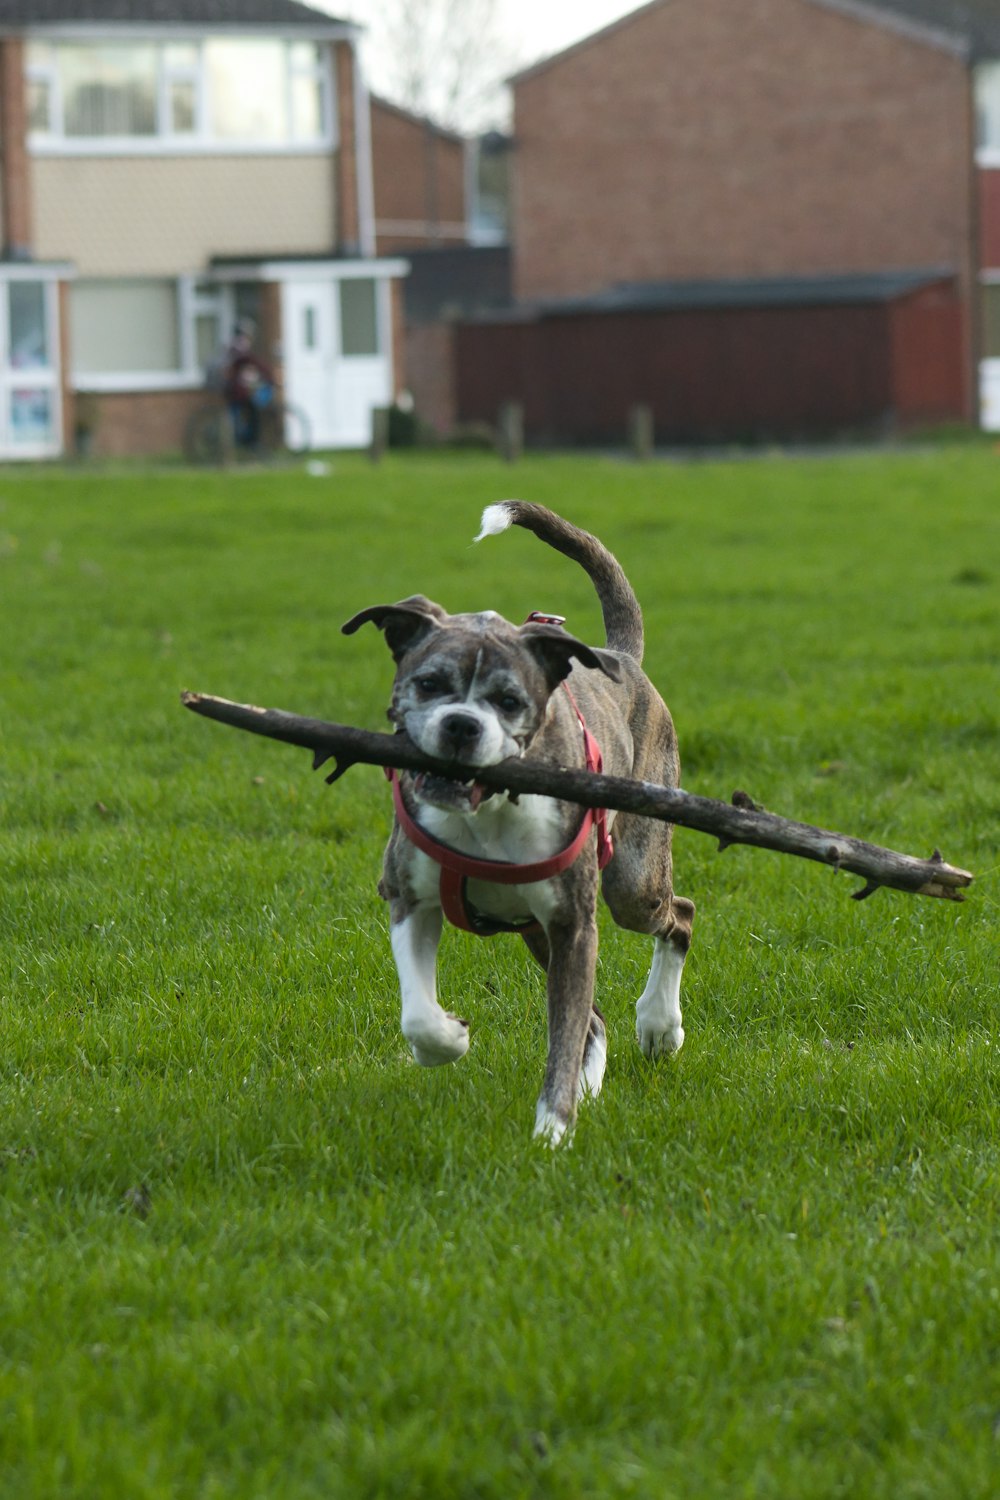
(251, 1251)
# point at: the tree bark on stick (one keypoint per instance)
(738, 822)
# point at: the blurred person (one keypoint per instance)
(247, 385)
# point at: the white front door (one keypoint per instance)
(338, 361)
(310, 341)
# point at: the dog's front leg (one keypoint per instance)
(572, 963)
(435, 1035)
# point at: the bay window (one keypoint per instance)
(153, 333)
(222, 93)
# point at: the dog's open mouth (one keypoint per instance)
(449, 795)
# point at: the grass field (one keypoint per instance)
(251, 1251)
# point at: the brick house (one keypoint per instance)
(166, 167)
(440, 200)
(735, 180)
(422, 181)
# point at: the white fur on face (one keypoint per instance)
(442, 683)
(493, 745)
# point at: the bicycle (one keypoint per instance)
(215, 433)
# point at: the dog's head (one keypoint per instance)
(473, 689)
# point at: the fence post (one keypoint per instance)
(640, 432)
(510, 431)
(380, 433)
(227, 437)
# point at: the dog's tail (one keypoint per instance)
(620, 607)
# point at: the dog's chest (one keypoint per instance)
(525, 832)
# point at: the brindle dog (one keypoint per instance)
(474, 689)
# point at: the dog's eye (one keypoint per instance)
(509, 703)
(430, 685)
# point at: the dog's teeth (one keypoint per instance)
(496, 518)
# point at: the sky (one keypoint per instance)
(545, 26)
(527, 30)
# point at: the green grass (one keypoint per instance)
(769, 1268)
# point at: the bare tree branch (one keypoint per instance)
(446, 59)
(740, 822)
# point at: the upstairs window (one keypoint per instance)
(987, 88)
(222, 93)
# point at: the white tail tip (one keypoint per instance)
(496, 518)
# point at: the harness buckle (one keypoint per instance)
(538, 618)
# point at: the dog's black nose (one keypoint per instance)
(461, 729)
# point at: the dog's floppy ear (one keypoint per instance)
(403, 624)
(554, 651)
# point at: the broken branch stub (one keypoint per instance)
(739, 822)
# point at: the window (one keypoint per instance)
(358, 316)
(124, 327)
(182, 89)
(991, 320)
(32, 414)
(246, 90)
(154, 333)
(108, 91)
(29, 382)
(239, 93)
(28, 333)
(987, 89)
(307, 91)
(39, 105)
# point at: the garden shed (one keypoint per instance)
(725, 360)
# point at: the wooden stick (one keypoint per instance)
(739, 822)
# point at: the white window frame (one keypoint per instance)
(48, 378)
(167, 76)
(190, 375)
(54, 141)
(47, 73)
(320, 73)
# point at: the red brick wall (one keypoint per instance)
(140, 423)
(713, 138)
(346, 161)
(989, 219)
(430, 366)
(14, 165)
(419, 174)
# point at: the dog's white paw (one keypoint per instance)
(443, 1039)
(659, 1041)
(595, 1060)
(550, 1128)
(658, 1026)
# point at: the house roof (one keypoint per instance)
(971, 27)
(35, 15)
(835, 290)
(975, 24)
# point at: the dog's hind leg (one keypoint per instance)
(658, 1025)
(595, 1052)
(435, 1035)
(637, 887)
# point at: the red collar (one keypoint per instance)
(458, 868)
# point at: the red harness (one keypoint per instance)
(457, 869)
